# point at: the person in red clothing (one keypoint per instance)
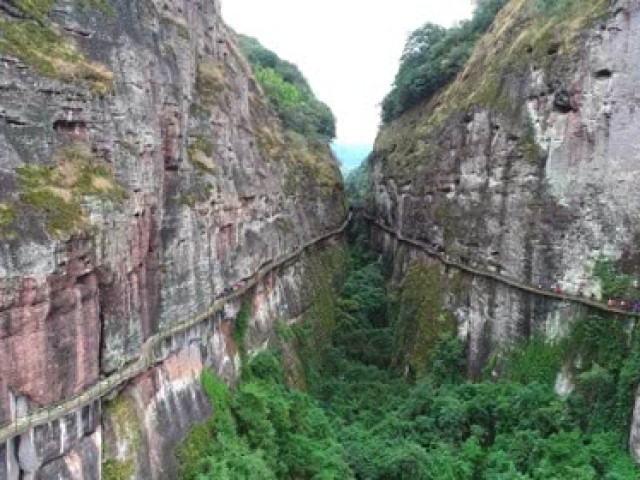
(611, 303)
(558, 289)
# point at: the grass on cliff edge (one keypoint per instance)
(38, 44)
(39, 9)
(57, 192)
(524, 33)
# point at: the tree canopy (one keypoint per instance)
(433, 56)
(363, 417)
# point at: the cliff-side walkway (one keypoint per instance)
(145, 359)
(451, 262)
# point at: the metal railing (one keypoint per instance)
(501, 278)
(146, 359)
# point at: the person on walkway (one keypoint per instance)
(558, 288)
(611, 303)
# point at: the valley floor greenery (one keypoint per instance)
(365, 416)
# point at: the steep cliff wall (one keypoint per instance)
(526, 164)
(142, 176)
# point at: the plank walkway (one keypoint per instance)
(146, 359)
(501, 278)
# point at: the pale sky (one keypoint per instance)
(347, 49)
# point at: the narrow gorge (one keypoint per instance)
(189, 289)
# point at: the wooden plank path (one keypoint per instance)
(145, 360)
(501, 278)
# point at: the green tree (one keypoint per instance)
(289, 92)
(433, 56)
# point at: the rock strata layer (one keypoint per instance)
(527, 164)
(142, 176)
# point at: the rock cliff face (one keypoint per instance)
(142, 176)
(527, 163)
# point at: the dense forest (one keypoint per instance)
(371, 408)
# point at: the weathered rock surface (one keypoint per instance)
(528, 164)
(145, 422)
(140, 178)
(514, 179)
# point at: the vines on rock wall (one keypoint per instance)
(420, 317)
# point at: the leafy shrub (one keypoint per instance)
(613, 283)
(240, 327)
(264, 430)
(535, 361)
(289, 92)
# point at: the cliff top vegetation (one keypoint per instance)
(289, 92)
(434, 56)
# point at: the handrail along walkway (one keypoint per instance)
(145, 360)
(500, 278)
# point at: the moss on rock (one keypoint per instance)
(114, 470)
(325, 272)
(39, 45)
(421, 315)
(127, 430)
(7, 217)
(211, 83)
(201, 152)
(57, 192)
